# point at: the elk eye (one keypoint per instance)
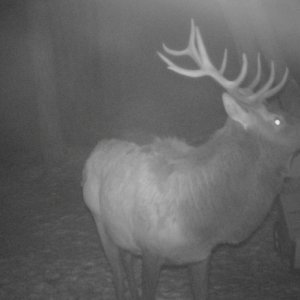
(277, 121)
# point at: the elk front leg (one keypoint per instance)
(199, 279)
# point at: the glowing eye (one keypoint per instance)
(277, 122)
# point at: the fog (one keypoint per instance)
(89, 69)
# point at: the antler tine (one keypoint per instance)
(172, 66)
(256, 79)
(260, 94)
(224, 62)
(243, 72)
(198, 57)
(191, 51)
(269, 83)
(202, 53)
(279, 86)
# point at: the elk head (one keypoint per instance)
(245, 105)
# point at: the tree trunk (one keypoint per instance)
(41, 50)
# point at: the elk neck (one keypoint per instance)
(239, 174)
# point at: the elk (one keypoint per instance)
(171, 203)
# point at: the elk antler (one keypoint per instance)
(197, 51)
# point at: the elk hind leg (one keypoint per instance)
(199, 279)
(151, 265)
(113, 255)
(128, 262)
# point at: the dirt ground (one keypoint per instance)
(49, 248)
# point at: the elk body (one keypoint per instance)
(172, 203)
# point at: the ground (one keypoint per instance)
(50, 249)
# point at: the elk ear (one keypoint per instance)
(235, 111)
